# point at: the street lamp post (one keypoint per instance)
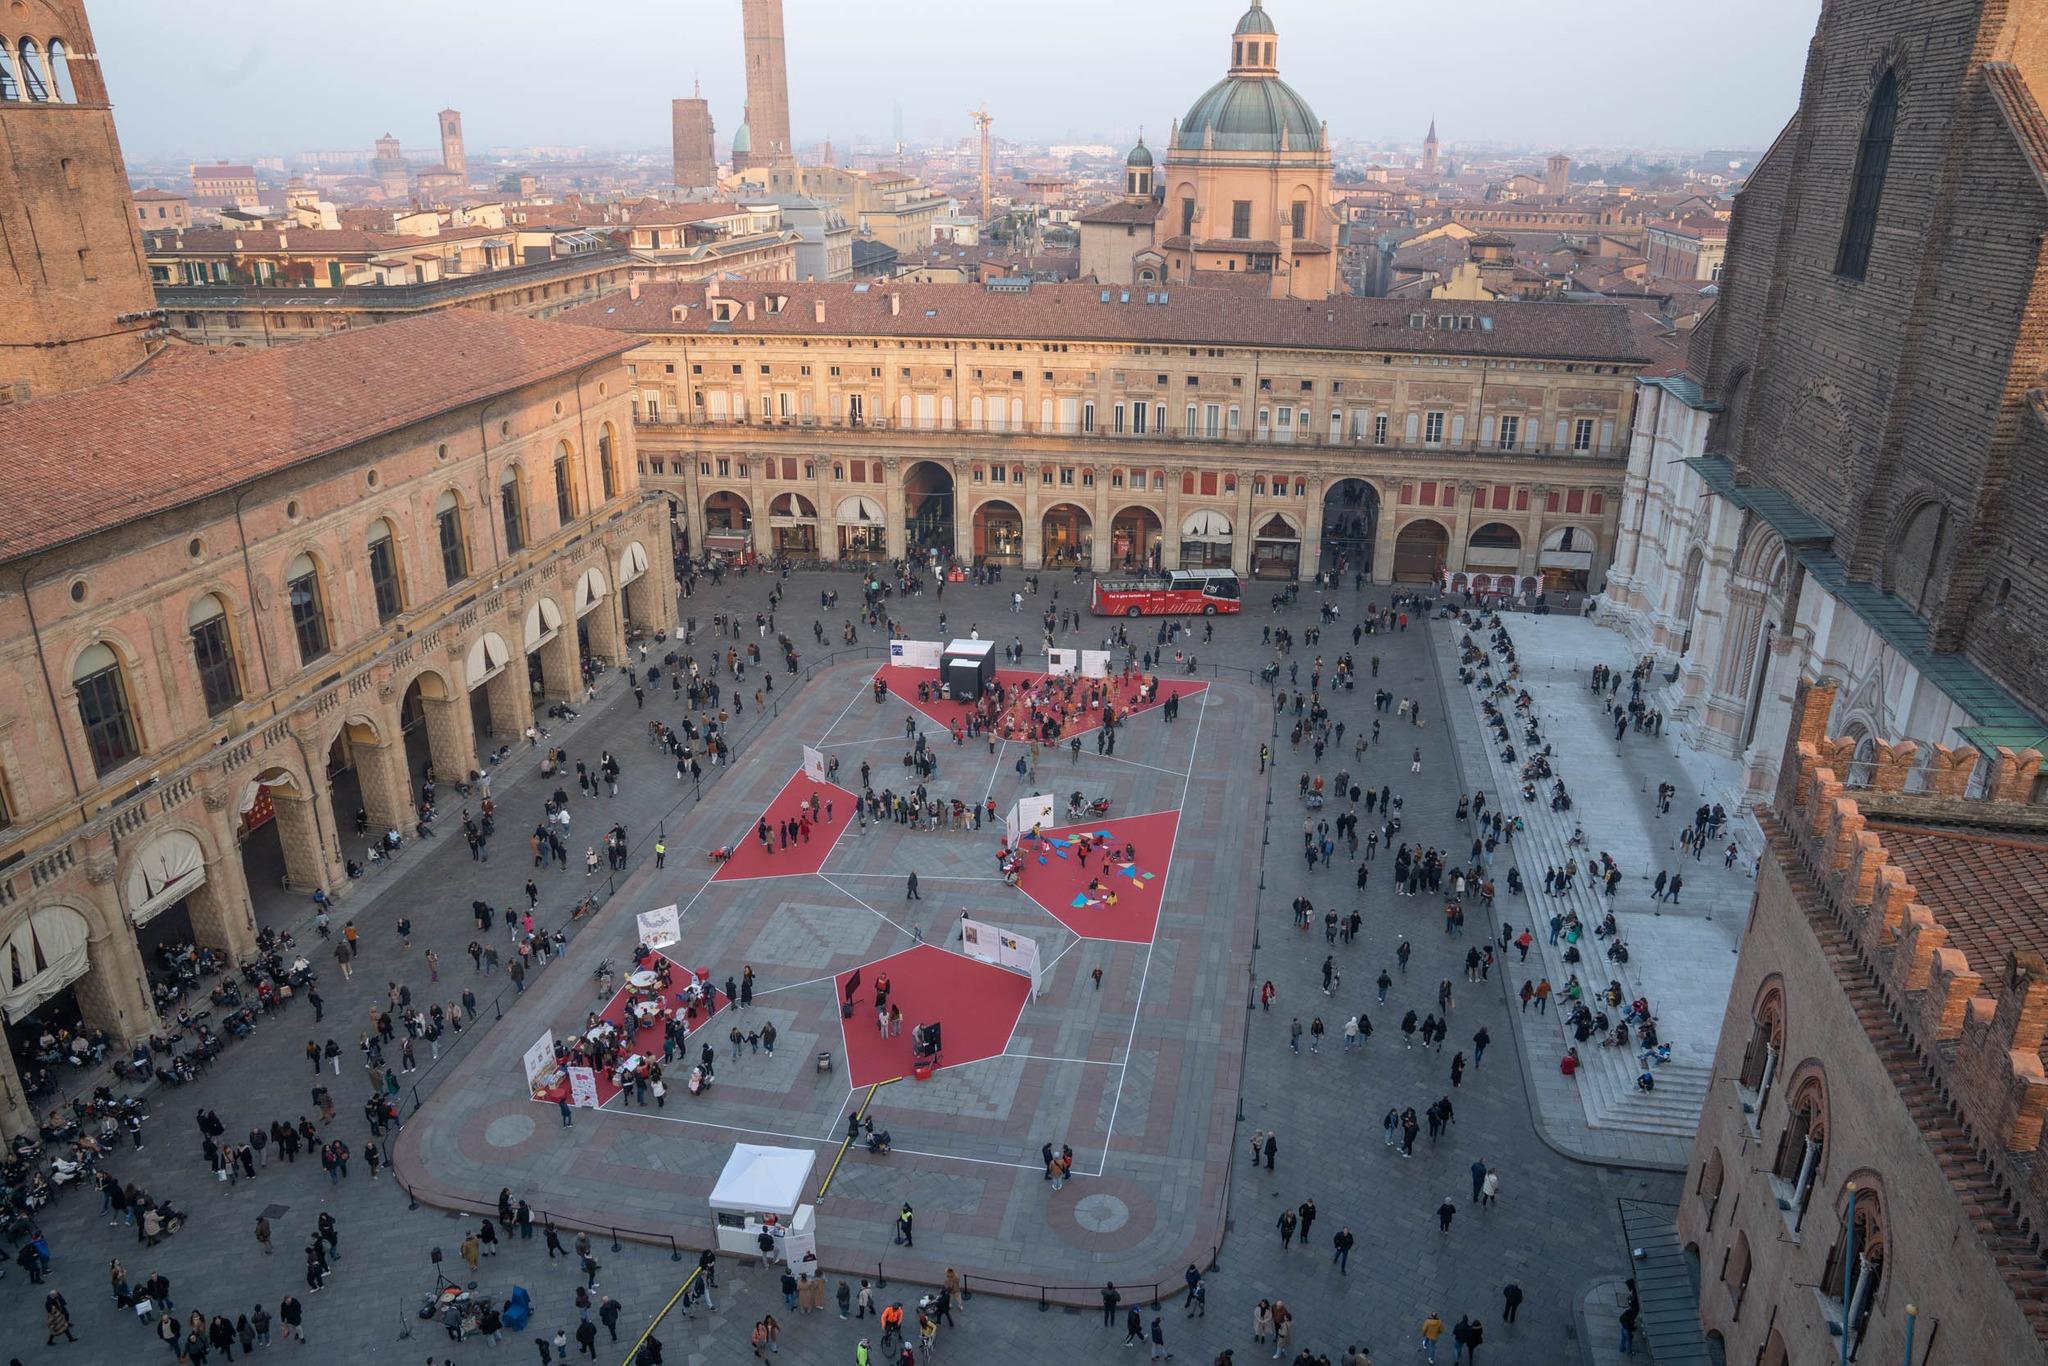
(1848, 1270)
(1912, 1316)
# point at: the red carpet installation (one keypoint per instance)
(648, 1039)
(807, 850)
(975, 1004)
(1076, 887)
(903, 683)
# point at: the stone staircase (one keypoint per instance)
(1976, 1188)
(1607, 1076)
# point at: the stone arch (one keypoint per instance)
(1763, 1055)
(1135, 535)
(543, 622)
(998, 531)
(1801, 1155)
(1863, 1238)
(1420, 547)
(1066, 534)
(164, 869)
(1914, 551)
(174, 868)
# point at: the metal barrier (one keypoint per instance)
(1043, 1293)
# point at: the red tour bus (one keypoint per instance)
(1177, 592)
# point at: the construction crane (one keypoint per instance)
(982, 120)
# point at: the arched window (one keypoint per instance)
(1766, 1046)
(604, 463)
(838, 471)
(1873, 155)
(309, 613)
(60, 73)
(103, 708)
(385, 584)
(33, 83)
(213, 653)
(565, 489)
(512, 504)
(1800, 1147)
(454, 541)
(1856, 1261)
(10, 89)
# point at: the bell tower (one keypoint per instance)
(76, 307)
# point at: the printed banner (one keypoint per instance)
(540, 1059)
(988, 944)
(1061, 662)
(583, 1087)
(814, 765)
(659, 928)
(916, 654)
(1095, 663)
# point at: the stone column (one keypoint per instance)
(1104, 529)
(1386, 531)
(451, 736)
(963, 521)
(1461, 528)
(607, 638)
(558, 673)
(1032, 555)
(1532, 533)
(114, 993)
(387, 792)
(309, 859)
(17, 1116)
(510, 702)
(1311, 533)
(893, 509)
(223, 915)
(1169, 527)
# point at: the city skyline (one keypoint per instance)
(183, 91)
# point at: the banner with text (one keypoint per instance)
(814, 765)
(989, 944)
(660, 927)
(916, 654)
(1059, 663)
(583, 1087)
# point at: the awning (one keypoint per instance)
(1205, 524)
(590, 590)
(45, 954)
(487, 659)
(543, 620)
(632, 563)
(165, 873)
(860, 509)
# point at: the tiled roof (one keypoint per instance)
(223, 172)
(1117, 211)
(88, 461)
(153, 195)
(1986, 890)
(229, 241)
(1190, 315)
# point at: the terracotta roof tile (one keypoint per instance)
(166, 436)
(1190, 315)
(1986, 890)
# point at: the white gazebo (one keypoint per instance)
(763, 1188)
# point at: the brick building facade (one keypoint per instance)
(1029, 424)
(1848, 477)
(251, 594)
(1871, 1166)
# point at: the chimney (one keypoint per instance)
(711, 289)
(633, 291)
(818, 311)
(895, 305)
(750, 310)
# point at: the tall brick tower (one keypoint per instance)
(767, 83)
(452, 155)
(76, 306)
(696, 165)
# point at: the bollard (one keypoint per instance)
(615, 1241)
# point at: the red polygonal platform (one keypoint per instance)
(903, 682)
(749, 859)
(1056, 875)
(648, 1039)
(976, 1005)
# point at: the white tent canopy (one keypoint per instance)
(763, 1180)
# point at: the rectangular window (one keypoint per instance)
(1297, 220)
(515, 520)
(383, 579)
(1510, 432)
(1241, 218)
(1432, 428)
(1088, 417)
(1212, 420)
(565, 506)
(1187, 217)
(1118, 420)
(1138, 418)
(214, 652)
(1379, 429)
(103, 709)
(1189, 430)
(1582, 434)
(309, 623)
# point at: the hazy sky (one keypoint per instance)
(207, 78)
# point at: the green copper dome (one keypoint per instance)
(1247, 113)
(743, 140)
(1255, 21)
(1141, 155)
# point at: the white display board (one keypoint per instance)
(583, 1087)
(660, 927)
(1059, 663)
(1095, 663)
(1005, 949)
(814, 765)
(540, 1059)
(1036, 809)
(916, 654)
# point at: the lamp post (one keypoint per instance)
(1848, 1270)
(1912, 1316)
